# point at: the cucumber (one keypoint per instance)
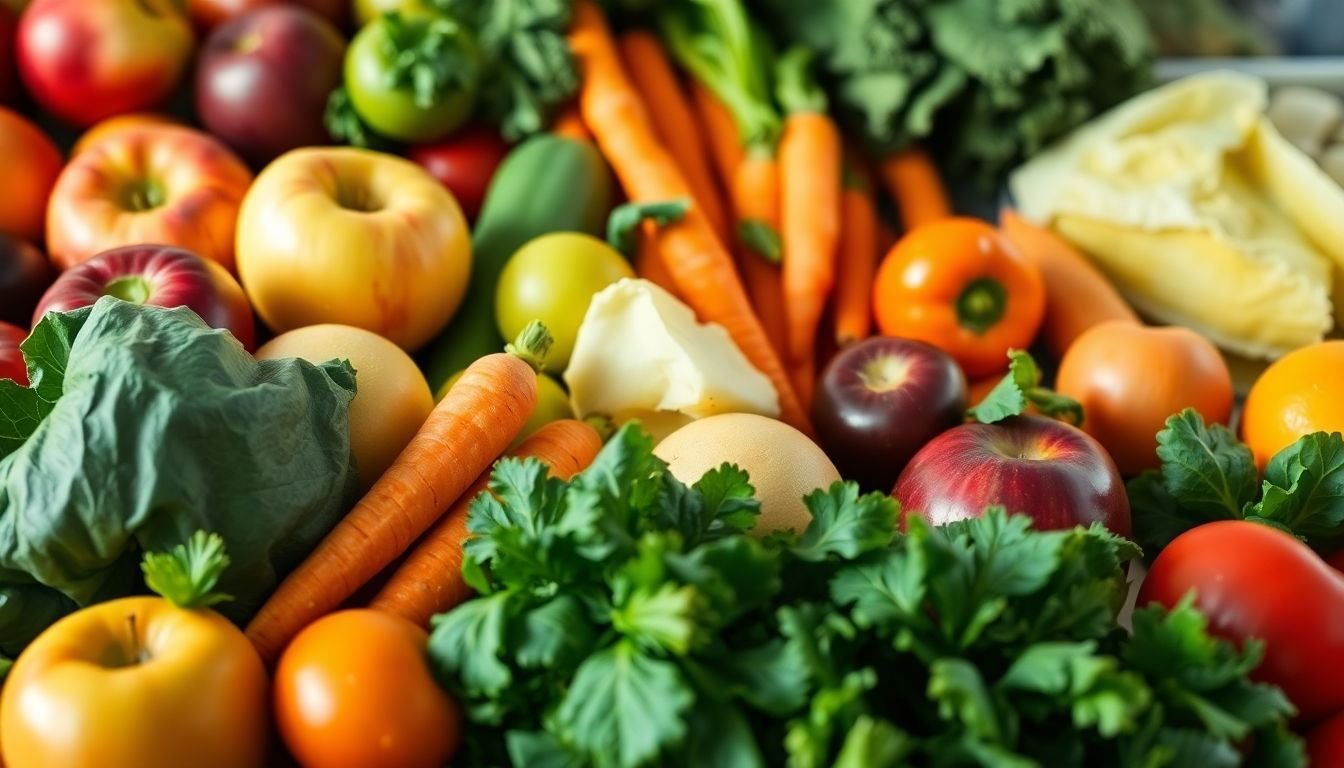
(546, 184)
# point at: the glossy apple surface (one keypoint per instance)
(1031, 465)
(148, 184)
(881, 400)
(264, 78)
(11, 359)
(208, 14)
(86, 60)
(464, 163)
(25, 274)
(160, 275)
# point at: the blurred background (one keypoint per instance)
(1230, 28)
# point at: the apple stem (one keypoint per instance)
(132, 288)
(138, 654)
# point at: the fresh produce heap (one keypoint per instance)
(547, 382)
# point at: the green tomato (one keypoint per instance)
(413, 78)
(368, 10)
(552, 279)
(552, 404)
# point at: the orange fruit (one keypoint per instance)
(1301, 393)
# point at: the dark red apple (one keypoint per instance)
(8, 74)
(25, 274)
(160, 275)
(1032, 465)
(880, 401)
(208, 14)
(264, 78)
(11, 359)
(464, 163)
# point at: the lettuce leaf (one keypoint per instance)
(144, 425)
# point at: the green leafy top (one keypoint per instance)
(429, 56)
(1207, 474)
(1020, 388)
(187, 575)
(529, 69)
(343, 123)
(627, 619)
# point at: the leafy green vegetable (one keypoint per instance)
(183, 431)
(986, 83)
(343, 123)
(625, 219)
(186, 576)
(627, 619)
(529, 69)
(1020, 388)
(1207, 475)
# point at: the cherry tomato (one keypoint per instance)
(464, 164)
(354, 690)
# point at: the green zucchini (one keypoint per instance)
(546, 184)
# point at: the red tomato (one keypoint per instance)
(1325, 742)
(464, 163)
(1253, 581)
(31, 163)
(354, 690)
(86, 60)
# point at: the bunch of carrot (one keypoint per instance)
(787, 233)
(424, 496)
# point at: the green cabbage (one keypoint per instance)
(144, 425)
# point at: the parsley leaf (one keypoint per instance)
(845, 524)
(46, 352)
(624, 707)
(1021, 387)
(1304, 489)
(1205, 469)
(466, 645)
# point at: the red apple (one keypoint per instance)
(208, 14)
(464, 163)
(25, 274)
(11, 359)
(264, 78)
(160, 275)
(86, 60)
(879, 401)
(8, 77)
(1032, 465)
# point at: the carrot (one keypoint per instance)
(810, 166)
(857, 261)
(570, 123)
(913, 182)
(467, 430)
(699, 264)
(430, 580)
(720, 131)
(756, 202)
(649, 260)
(1077, 295)
(674, 121)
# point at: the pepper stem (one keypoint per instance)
(982, 304)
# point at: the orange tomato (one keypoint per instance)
(354, 690)
(962, 286)
(148, 184)
(31, 164)
(114, 125)
(1301, 393)
(1131, 378)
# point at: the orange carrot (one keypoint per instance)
(913, 182)
(1077, 295)
(674, 121)
(857, 261)
(467, 430)
(699, 264)
(570, 123)
(720, 131)
(430, 580)
(756, 203)
(649, 260)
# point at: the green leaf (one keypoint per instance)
(1097, 693)
(1304, 489)
(344, 124)
(884, 591)
(21, 411)
(874, 743)
(428, 56)
(845, 524)
(730, 500)
(1021, 387)
(720, 737)
(736, 574)
(962, 696)
(1187, 746)
(467, 644)
(761, 239)
(186, 576)
(834, 710)
(1157, 517)
(1209, 473)
(555, 635)
(539, 749)
(773, 677)
(46, 351)
(625, 708)
(625, 220)
(606, 503)
(1277, 747)
(661, 620)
